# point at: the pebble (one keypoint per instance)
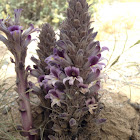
(6, 109)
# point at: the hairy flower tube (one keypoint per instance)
(17, 41)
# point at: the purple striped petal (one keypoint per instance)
(93, 76)
(71, 71)
(17, 16)
(80, 79)
(104, 49)
(93, 60)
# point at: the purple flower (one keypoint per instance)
(83, 88)
(14, 28)
(59, 58)
(72, 74)
(53, 77)
(55, 96)
(94, 62)
(104, 49)
(14, 33)
(59, 53)
(91, 104)
(42, 81)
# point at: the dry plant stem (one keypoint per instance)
(24, 102)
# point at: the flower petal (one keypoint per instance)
(30, 30)
(27, 41)
(17, 16)
(93, 60)
(104, 49)
(80, 79)
(66, 79)
(71, 81)
(93, 76)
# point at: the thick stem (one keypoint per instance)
(24, 101)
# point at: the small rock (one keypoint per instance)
(6, 109)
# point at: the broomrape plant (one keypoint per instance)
(68, 72)
(70, 79)
(17, 41)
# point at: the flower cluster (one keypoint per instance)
(72, 80)
(17, 39)
(63, 73)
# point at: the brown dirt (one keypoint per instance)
(123, 121)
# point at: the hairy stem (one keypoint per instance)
(24, 101)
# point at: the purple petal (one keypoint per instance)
(41, 78)
(30, 30)
(55, 97)
(50, 58)
(68, 71)
(58, 52)
(93, 60)
(66, 79)
(99, 55)
(4, 29)
(75, 71)
(94, 88)
(54, 93)
(28, 68)
(14, 28)
(95, 51)
(91, 46)
(71, 81)
(80, 79)
(104, 48)
(93, 76)
(27, 41)
(55, 71)
(71, 71)
(47, 96)
(17, 16)
(83, 88)
(47, 88)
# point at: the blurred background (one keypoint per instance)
(118, 26)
